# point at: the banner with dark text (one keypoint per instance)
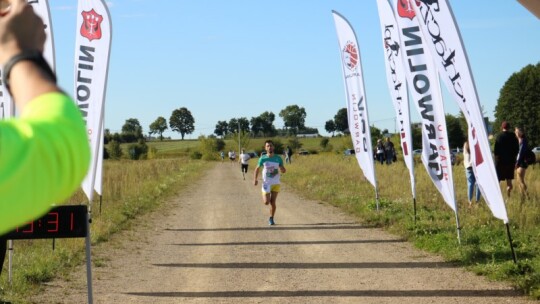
(443, 40)
(92, 52)
(397, 82)
(425, 90)
(356, 98)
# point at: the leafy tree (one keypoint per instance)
(267, 119)
(182, 121)
(210, 147)
(241, 122)
(222, 128)
(107, 136)
(330, 127)
(233, 126)
(158, 127)
(138, 150)
(324, 142)
(416, 135)
(341, 121)
(132, 130)
(244, 124)
(519, 102)
(456, 135)
(375, 134)
(263, 125)
(294, 118)
(114, 149)
(256, 125)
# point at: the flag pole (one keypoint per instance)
(377, 197)
(414, 209)
(511, 243)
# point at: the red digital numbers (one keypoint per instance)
(53, 223)
(60, 222)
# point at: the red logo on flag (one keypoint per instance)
(479, 159)
(350, 55)
(91, 26)
(405, 9)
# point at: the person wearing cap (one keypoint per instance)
(506, 150)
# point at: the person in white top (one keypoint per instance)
(244, 161)
(469, 173)
(232, 156)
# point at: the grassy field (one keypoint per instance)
(484, 248)
(131, 188)
(128, 193)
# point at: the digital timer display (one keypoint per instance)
(60, 222)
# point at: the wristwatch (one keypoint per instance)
(34, 56)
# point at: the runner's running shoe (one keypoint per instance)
(271, 221)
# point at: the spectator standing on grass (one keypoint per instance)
(521, 164)
(379, 151)
(244, 162)
(44, 153)
(288, 155)
(472, 186)
(506, 150)
(272, 166)
(389, 151)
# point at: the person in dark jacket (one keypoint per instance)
(506, 151)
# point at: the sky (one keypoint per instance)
(239, 58)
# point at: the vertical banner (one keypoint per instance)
(397, 83)
(92, 52)
(444, 42)
(425, 90)
(356, 99)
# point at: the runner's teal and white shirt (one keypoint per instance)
(270, 173)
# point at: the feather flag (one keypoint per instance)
(356, 98)
(397, 82)
(444, 42)
(92, 52)
(426, 93)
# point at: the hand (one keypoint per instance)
(20, 29)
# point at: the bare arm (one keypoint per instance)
(18, 34)
(256, 176)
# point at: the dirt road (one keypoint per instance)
(213, 245)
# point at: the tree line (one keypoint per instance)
(518, 103)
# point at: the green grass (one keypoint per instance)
(484, 245)
(484, 248)
(131, 188)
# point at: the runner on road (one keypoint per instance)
(244, 161)
(272, 164)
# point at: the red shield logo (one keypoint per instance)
(405, 9)
(91, 26)
(350, 55)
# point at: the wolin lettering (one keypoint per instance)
(422, 85)
(83, 83)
